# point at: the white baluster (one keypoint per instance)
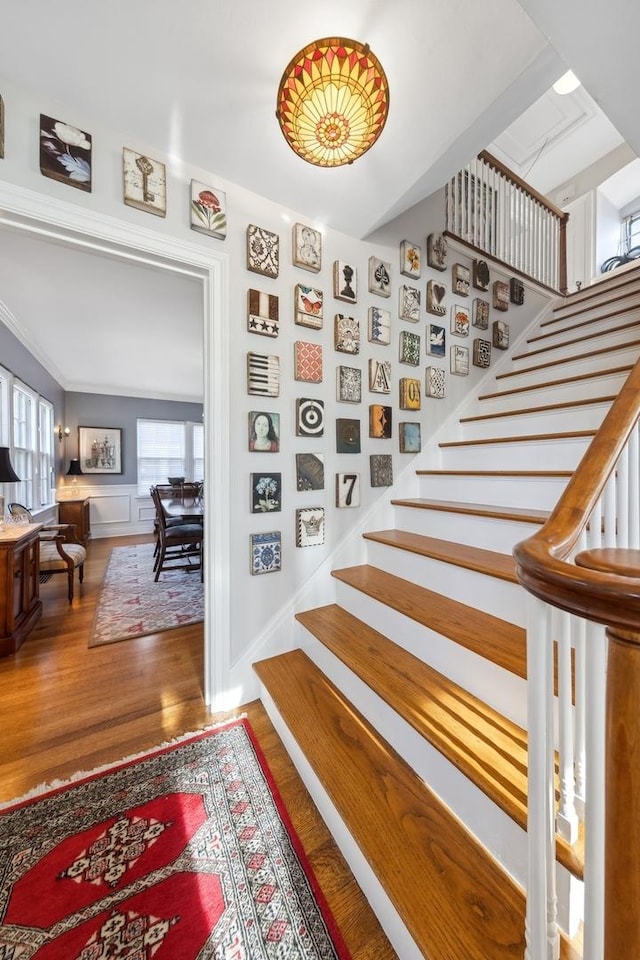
(566, 819)
(596, 657)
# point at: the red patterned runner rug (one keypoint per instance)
(184, 853)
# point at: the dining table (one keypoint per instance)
(183, 509)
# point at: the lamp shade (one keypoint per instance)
(333, 101)
(7, 473)
(75, 470)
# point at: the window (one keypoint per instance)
(169, 448)
(46, 470)
(27, 420)
(25, 436)
(631, 232)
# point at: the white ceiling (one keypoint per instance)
(198, 80)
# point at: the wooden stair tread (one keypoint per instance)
(574, 340)
(499, 565)
(546, 384)
(496, 640)
(585, 323)
(540, 408)
(556, 363)
(522, 514)
(494, 473)
(484, 745)
(605, 291)
(454, 899)
(523, 438)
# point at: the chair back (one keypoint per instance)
(18, 510)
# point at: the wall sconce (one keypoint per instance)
(63, 432)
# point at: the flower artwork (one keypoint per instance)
(410, 259)
(263, 251)
(65, 153)
(459, 320)
(145, 183)
(208, 210)
(266, 492)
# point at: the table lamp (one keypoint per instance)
(75, 471)
(7, 475)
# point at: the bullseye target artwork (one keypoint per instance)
(309, 417)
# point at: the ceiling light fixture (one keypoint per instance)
(567, 83)
(333, 101)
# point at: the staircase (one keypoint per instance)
(405, 705)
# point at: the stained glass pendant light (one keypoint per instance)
(333, 101)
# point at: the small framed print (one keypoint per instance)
(266, 492)
(208, 210)
(500, 295)
(459, 320)
(481, 275)
(145, 183)
(380, 419)
(480, 314)
(500, 335)
(309, 417)
(409, 393)
(264, 431)
(346, 334)
(308, 306)
(460, 279)
(262, 313)
(345, 282)
(347, 436)
(436, 340)
(309, 526)
(307, 361)
(309, 471)
(263, 251)
(263, 374)
(307, 247)
(349, 385)
(409, 348)
(100, 449)
(409, 305)
(379, 277)
(436, 298)
(435, 383)
(379, 376)
(410, 259)
(437, 251)
(347, 490)
(459, 358)
(516, 291)
(481, 352)
(379, 325)
(65, 152)
(266, 552)
(381, 469)
(409, 437)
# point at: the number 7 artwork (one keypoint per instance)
(347, 490)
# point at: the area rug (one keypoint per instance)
(185, 853)
(131, 604)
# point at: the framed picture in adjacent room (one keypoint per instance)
(263, 251)
(309, 526)
(208, 210)
(307, 247)
(410, 259)
(437, 251)
(65, 153)
(347, 490)
(145, 183)
(409, 437)
(308, 306)
(100, 449)
(345, 282)
(266, 552)
(379, 325)
(379, 277)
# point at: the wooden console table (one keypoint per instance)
(20, 604)
(76, 511)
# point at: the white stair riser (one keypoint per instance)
(608, 334)
(486, 532)
(500, 689)
(570, 368)
(497, 597)
(547, 421)
(602, 386)
(537, 493)
(562, 454)
(565, 318)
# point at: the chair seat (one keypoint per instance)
(178, 533)
(50, 559)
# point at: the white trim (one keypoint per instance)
(23, 209)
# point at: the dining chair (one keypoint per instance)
(59, 547)
(178, 543)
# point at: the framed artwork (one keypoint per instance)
(65, 152)
(345, 282)
(347, 490)
(460, 279)
(264, 432)
(380, 420)
(308, 306)
(266, 492)
(409, 437)
(307, 247)
(480, 314)
(379, 277)
(381, 469)
(349, 385)
(459, 320)
(145, 183)
(481, 352)
(436, 340)
(310, 471)
(459, 359)
(409, 393)
(309, 526)
(307, 361)
(500, 335)
(409, 348)
(347, 436)
(500, 295)
(263, 313)
(263, 251)
(346, 334)
(437, 251)
(309, 417)
(481, 276)
(409, 306)
(266, 552)
(379, 325)
(516, 291)
(436, 298)
(263, 374)
(410, 259)
(435, 381)
(100, 449)
(1, 129)
(379, 376)
(208, 210)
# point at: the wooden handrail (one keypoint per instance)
(517, 181)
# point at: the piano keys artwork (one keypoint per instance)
(263, 374)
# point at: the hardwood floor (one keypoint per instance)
(66, 708)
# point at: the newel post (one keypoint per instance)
(622, 797)
(562, 256)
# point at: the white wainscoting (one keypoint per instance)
(116, 510)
